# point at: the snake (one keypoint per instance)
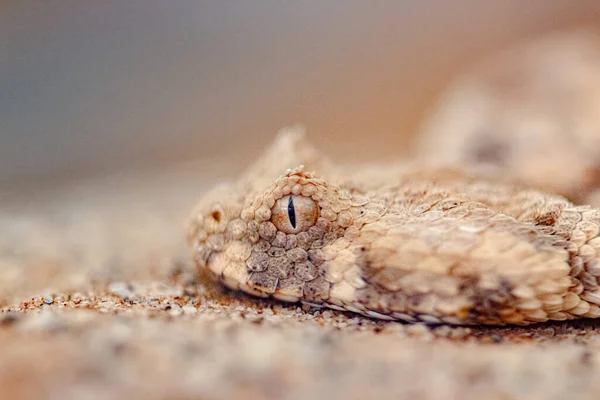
(399, 241)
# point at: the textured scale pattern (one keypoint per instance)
(401, 242)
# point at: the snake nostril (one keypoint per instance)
(216, 215)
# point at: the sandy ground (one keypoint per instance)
(99, 299)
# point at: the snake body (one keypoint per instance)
(399, 242)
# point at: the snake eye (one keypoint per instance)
(294, 214)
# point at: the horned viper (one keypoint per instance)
(399, 241)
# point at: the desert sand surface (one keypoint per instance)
(100, 299)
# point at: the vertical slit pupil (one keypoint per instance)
(291, 212)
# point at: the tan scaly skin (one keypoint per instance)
(399, 242)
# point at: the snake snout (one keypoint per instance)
(214, 226)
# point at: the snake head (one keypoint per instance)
(275, 241)
(270, 233)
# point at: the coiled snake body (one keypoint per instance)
(399, 241)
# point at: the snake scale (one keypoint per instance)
(399, 241)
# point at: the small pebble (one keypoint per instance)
(120, 289)
(189, 309)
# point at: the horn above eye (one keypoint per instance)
(294, 214)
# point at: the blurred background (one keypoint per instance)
(91, 88)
